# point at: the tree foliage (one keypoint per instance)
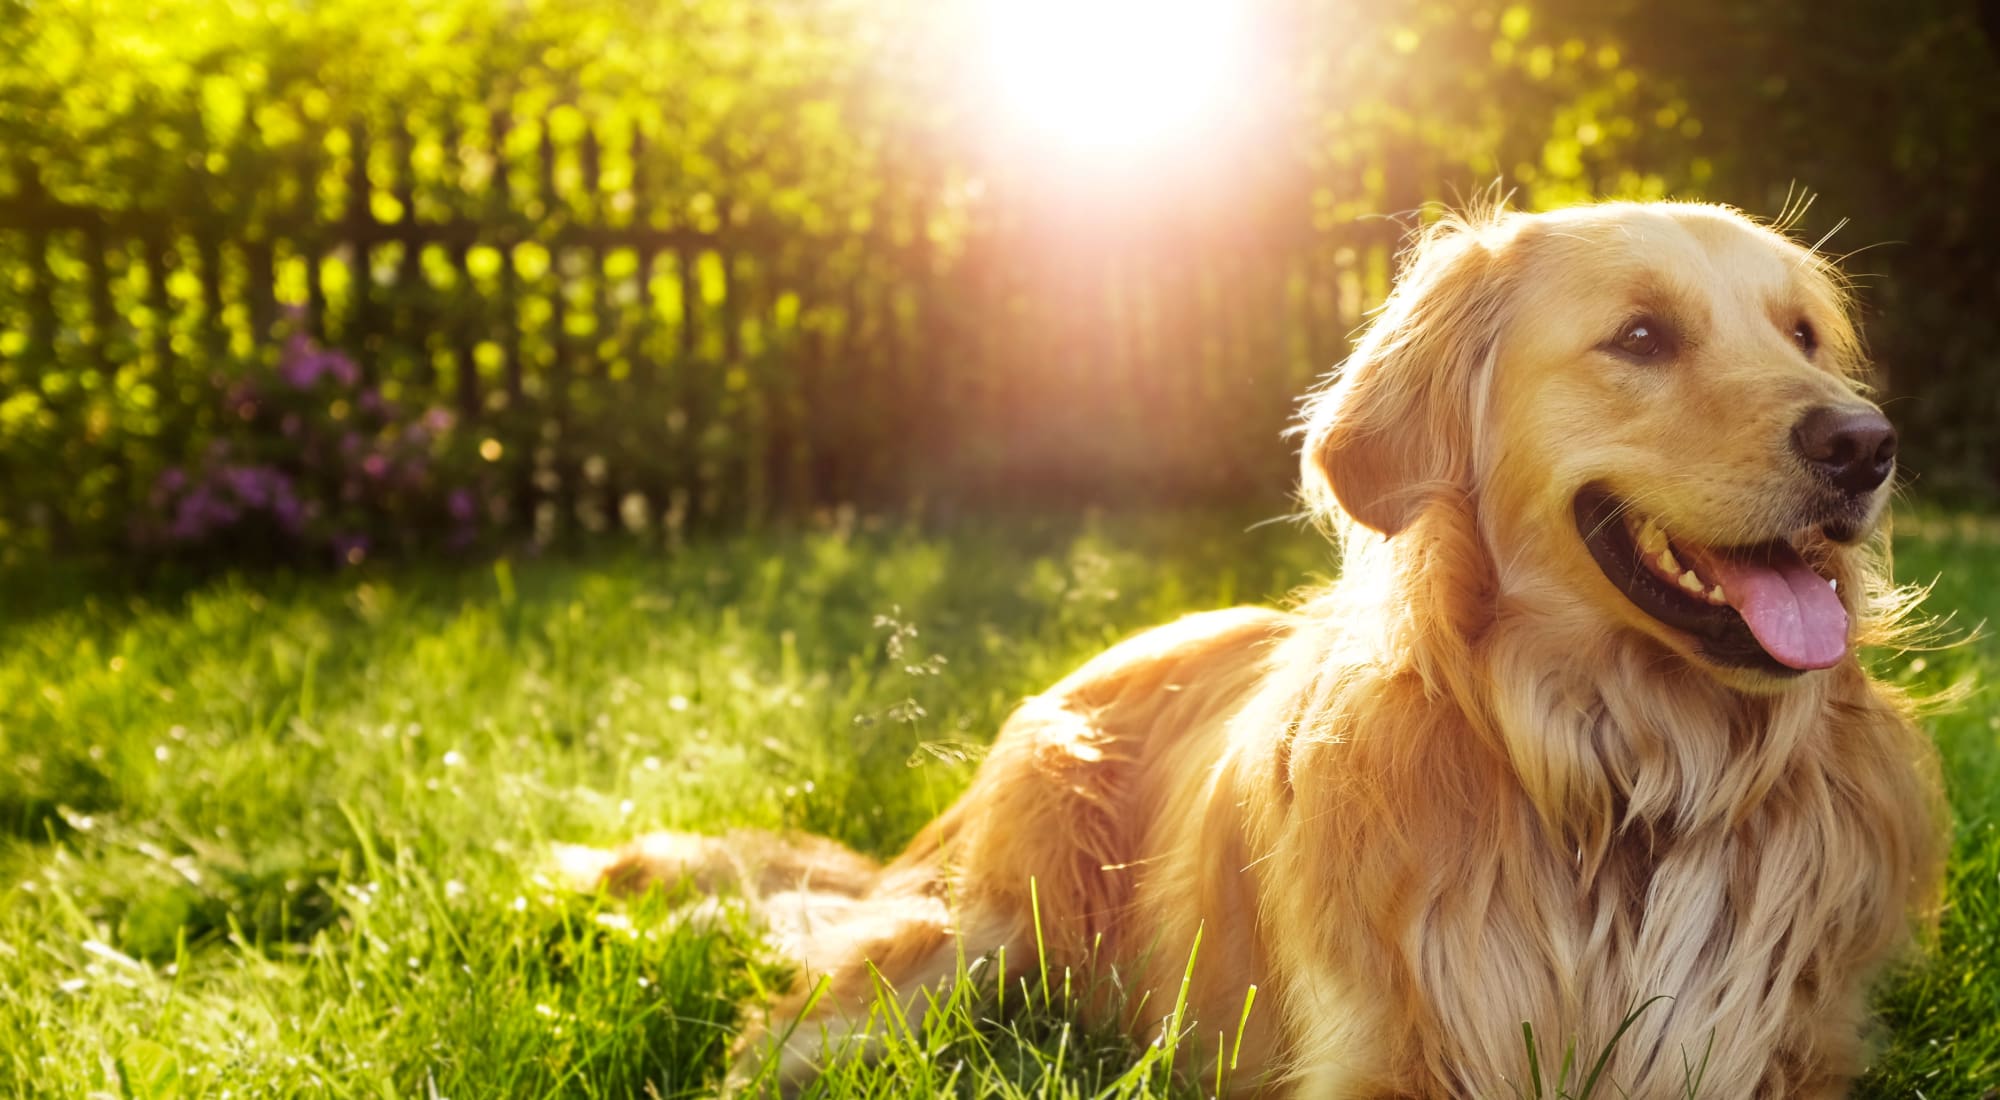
(705, 259)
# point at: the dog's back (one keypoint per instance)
(1093, 800)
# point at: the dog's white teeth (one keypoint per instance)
(1715, 595)
(1667, 563)
(1691, 582)
(1651, 539)
(1833, 583)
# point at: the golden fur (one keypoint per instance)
(1469, 784)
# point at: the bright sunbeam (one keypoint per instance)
(1115, 77)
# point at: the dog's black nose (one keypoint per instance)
(1854, 446)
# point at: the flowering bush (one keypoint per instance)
(310, 458)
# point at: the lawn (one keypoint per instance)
(288, 836)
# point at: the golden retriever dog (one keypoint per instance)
(1579, 734)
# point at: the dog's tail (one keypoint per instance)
(756, 864)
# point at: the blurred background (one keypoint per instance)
(341, 279)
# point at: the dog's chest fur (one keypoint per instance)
(1709, 873)
(1699, 884)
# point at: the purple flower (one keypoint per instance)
(285, 507)
(300, 365)
(341, 367)
(253, 485)
(187, 525)
(304, 363)
(199, 514)
(375, 466)
(461, 505)
(171, 481)
(438, 420)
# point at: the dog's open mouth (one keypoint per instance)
(1760, 607)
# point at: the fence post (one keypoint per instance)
(158, 304)
(42, 321)
(261, 256)
(410, 306)
(104, 317)
(498, 124)
(362, 335)
(645, 368)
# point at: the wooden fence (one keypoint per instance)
(709, 373)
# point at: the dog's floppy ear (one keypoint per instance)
(1393, 429)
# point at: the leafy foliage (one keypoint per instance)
(700, 261)
(310, 458)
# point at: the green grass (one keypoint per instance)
(287, 836)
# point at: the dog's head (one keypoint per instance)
(1651, 409)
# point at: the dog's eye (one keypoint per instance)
(1643, 338)
(1804, 336)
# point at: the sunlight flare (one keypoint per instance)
(1115, 77)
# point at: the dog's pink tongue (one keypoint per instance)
(1795, 614)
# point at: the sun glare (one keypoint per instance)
(1115, 77)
